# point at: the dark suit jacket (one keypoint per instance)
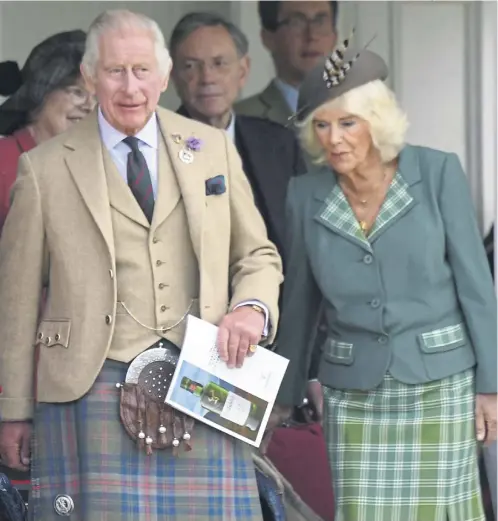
(270, 157)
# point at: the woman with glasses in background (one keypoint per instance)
(46, 98)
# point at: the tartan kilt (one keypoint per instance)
(81, 450)
(405, 452)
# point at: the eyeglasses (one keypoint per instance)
(79, 95)
(321, 24)
(220, 65)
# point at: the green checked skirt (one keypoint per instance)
(405, 452)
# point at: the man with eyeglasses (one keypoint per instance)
(297, 34)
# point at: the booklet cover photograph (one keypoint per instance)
(218, 401)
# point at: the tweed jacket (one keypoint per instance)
(268, 104)
(59, 234)
(415, 299)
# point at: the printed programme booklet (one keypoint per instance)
(236, 401)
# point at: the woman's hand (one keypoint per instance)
(486, 418)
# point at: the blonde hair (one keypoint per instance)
(119, 19)
(376, 104)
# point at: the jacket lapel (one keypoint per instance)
(276, 106)
(190, 180)
(86, 167)
(336, 214)
(121, 197)
(168, 191)
(400, 198)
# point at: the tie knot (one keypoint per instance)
(132, 142)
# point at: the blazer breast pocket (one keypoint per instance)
(443, 339)
(54, 332)
(338, 352)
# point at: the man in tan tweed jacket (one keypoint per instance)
(116, 282)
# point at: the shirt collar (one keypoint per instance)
(112, 137)
(230, 130)
(290, 93)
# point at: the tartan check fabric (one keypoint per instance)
(339, 214)
(444, 336)
(81, 449)
(405, 452)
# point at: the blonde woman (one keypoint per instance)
(383, 238)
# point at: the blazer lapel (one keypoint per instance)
(399, 199)
(276, 106)
(336, 215)
(190, 181)
(86, 167)
(121, 197)
(168, 191)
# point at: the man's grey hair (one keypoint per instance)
(119, 20)
(193, 21)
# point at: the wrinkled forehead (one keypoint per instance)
(127, 47)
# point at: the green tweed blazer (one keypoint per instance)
(415, 299)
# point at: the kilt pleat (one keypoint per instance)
(405, 452)
(81, 450)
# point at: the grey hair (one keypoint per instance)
(193, 21)
(118, 19)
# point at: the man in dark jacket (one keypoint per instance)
(210, 67)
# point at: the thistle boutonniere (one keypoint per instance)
(190, 145)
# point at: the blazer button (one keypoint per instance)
(375, 303)
(382, 339)
(368, 259)
(158, 263)
(108, 319)
(155, 240)
(164, 308)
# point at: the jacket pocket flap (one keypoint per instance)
(54, 333)
(338, 352)
(443, 339)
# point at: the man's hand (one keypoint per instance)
(238, 330)
(486, 418)
(15, 444)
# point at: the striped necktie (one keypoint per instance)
(139, 177)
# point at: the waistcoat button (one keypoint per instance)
(375, 303)
(158, 263)
(382, 339)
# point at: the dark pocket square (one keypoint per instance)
(216, 185)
